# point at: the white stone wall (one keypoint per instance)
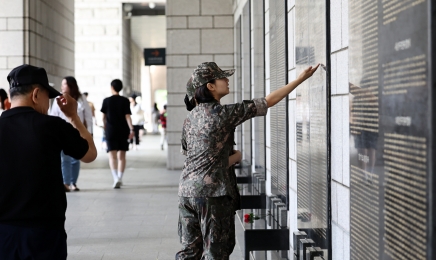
(99, 47)
(197, 31)
(104, 50)
(40, 33)
(340, 137)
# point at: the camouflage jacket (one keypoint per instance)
(206, 135)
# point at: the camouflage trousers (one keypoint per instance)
(206, 228)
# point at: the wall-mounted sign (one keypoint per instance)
(154, 56)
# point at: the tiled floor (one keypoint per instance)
(138, 221)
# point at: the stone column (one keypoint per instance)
(40, 33)
(105, 50)
(197, 31)
(99, 47)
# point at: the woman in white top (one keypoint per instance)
(137, 119)
(71, 166)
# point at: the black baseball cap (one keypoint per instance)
(28, 75)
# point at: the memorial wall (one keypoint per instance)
(390, 115)
(391, 129)
(311, 123)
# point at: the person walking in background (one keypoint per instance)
(32, 196)
(119, 129)
(163, 122)
(94, 119)
(140, 102)
(71, 166)
(137, 120)
(4, 101)
(155, 115)
(91, 105)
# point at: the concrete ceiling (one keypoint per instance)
(149, 31)
(137, 9)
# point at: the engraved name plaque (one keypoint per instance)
(311, 122)
(391, 129)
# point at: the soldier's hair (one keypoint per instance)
(203, 95)
(190, 104)
(117, 85)
(22, 90)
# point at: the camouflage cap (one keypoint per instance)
(204, 73)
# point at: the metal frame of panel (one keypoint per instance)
(258, 13)
(238, 85)
(246, 75)
(279, 113)
(329, 145)
(432, 179)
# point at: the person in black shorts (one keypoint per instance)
(118, 128)
(32, 195)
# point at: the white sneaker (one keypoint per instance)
(117, 184)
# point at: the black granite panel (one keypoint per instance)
(311, 121)
(390, 129)
(278, 78)
(246, 78)
(257, 12)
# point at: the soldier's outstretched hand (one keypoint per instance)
(307, 73)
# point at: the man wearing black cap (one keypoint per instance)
(32, 196)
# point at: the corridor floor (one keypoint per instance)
(138, 221)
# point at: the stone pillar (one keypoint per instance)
(197, 31)
(105, 50)
(40, 33)
(99, 47)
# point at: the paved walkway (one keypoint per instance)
(138, 221)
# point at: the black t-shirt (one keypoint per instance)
(116, 108)
(31, 187)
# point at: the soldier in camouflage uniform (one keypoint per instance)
(208, 195)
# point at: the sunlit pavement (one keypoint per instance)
(138, 221)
